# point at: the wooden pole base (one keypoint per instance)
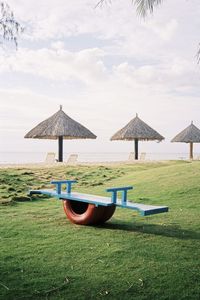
(60, 149)
(136, 149)
(191, 150)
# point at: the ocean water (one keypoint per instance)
(37, 157)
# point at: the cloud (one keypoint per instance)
(58, 45)
(160, 77)
(59, 19)
(164, 31)
(88, 67)
(57, 63)
(50, 19)
(117, 26)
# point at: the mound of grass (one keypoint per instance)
(43, 256)
(16, 183)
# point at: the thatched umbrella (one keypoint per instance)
(137, 130)
(60, 126)
(190, 135)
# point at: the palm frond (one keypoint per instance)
(198, 55)
(101, 2)
(143, 6)
(146, 6)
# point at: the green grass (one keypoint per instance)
(43, 256)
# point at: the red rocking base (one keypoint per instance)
(83, 213)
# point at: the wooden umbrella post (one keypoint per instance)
(60, 148)
(136, 149)
(191, 150)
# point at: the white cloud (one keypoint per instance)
(57, 64)
(59, 19)
(58, 45)
(161, 77)
(88, 67)
(164, 31)
(161, 36)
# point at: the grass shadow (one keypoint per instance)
(163, 230)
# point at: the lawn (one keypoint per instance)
(43, 256)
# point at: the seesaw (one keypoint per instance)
(85, 209)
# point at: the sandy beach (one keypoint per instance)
(62, 164)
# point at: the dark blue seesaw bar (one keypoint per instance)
(144, 209)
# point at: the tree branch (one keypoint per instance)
(10, 29)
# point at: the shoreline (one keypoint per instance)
(64, 164)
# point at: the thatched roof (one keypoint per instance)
(191, 134)
(137, 129)
(60, 124)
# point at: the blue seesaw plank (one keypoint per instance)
(143, 209)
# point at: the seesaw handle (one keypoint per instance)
(59, 185)
(124, 191)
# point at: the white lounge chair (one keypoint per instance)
(142, 156)
(72, 160)
(50, 158)
(131, 156)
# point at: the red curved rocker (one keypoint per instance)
(85, 209)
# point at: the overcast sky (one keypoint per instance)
(103, 65)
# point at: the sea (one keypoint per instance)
(38, 157)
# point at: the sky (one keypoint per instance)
(103, 65)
